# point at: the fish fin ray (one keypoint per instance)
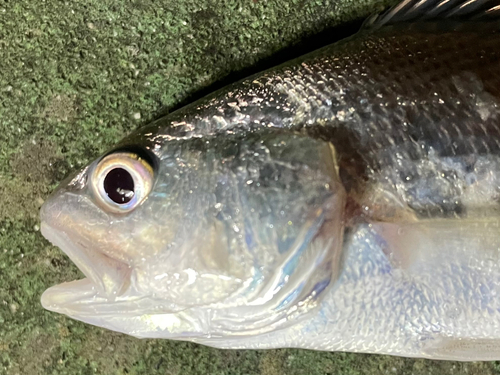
(410, 11)
(408, 245)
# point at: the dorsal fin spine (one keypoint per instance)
(426, 10)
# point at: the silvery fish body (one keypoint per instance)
(348, 200)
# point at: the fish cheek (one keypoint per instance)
(215, 255)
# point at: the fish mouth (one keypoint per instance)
(105, 276)
(107, 298)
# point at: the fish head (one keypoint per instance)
(199, 237)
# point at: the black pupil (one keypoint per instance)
(119, 186)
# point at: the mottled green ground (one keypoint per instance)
(75, 77)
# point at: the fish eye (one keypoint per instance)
(121, 181)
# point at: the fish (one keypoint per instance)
(347, 200)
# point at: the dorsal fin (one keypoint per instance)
(428, 10)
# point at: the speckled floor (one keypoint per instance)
(75, 77)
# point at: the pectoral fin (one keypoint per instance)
(409, 244)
